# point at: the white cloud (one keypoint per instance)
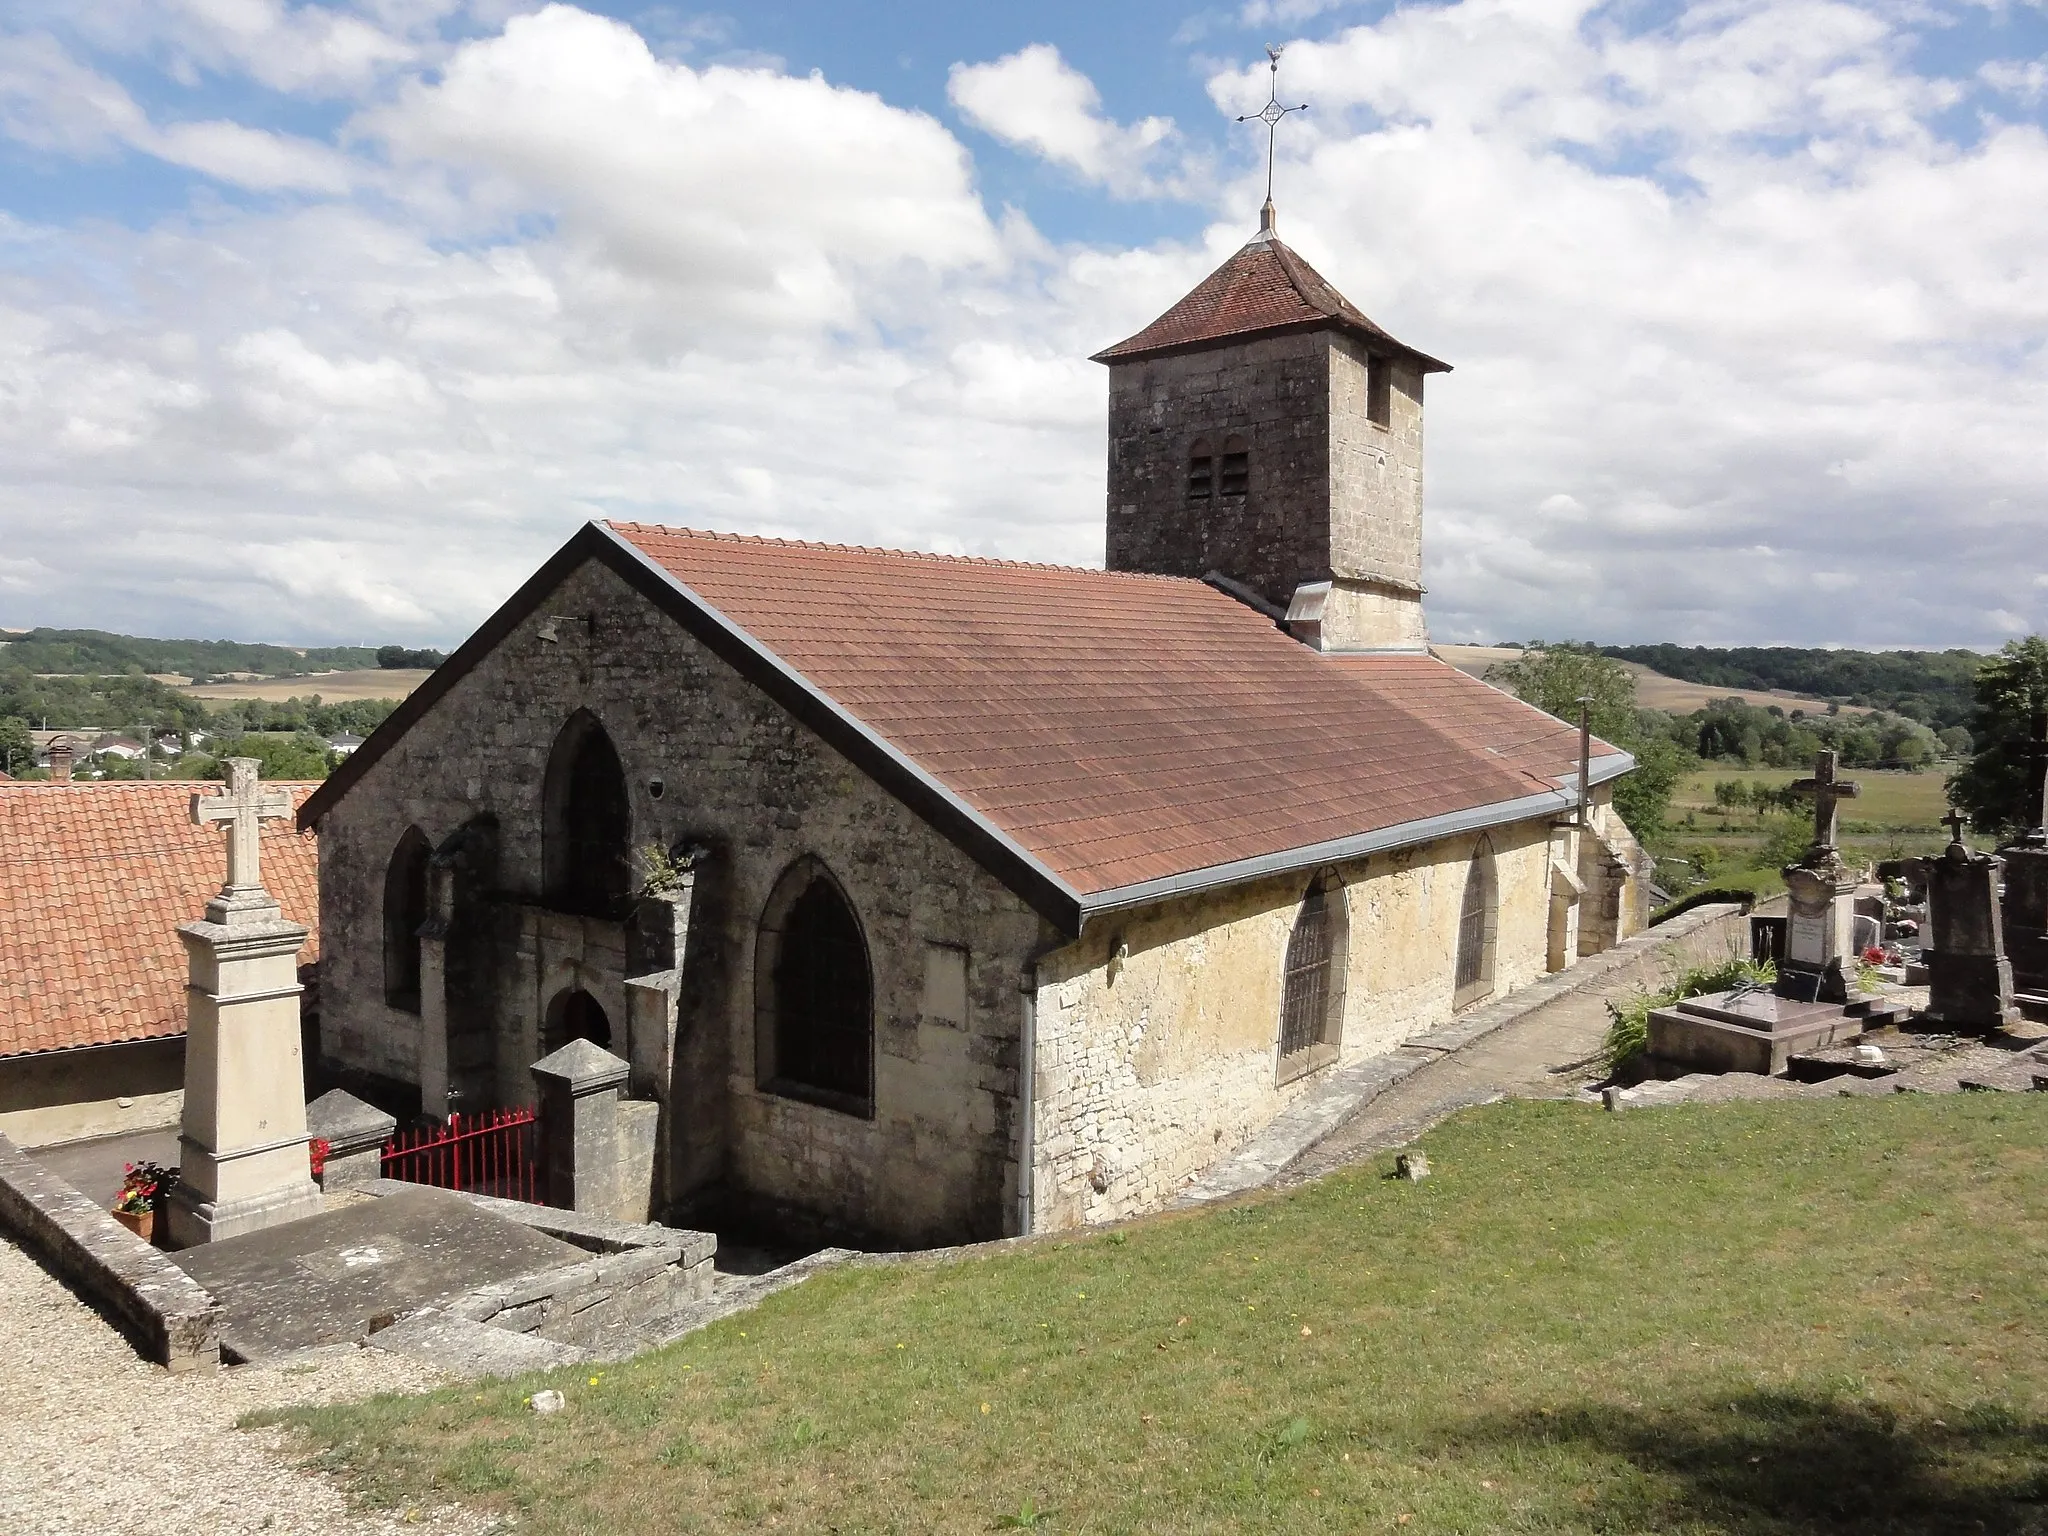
(1729, 315)
(1035, 100)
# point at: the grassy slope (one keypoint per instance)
(1777, 1318)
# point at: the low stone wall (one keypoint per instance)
(167, 1314)
(638, 1274)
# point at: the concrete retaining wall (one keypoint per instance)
(168, 1315)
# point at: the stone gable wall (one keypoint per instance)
(937, 1163)
(1149, 1070)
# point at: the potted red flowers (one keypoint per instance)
(144, 1189)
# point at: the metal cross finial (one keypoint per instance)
(245, 807)
(1270, 114)
(1826, 790)
(1954, 822)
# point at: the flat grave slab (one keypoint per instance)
(1744, 1032)
(323, 1280)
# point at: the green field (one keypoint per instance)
(1779, 1319)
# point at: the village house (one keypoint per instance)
(94, 880)
(932, 898)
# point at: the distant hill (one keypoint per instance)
(1933, 687)
(97, 653)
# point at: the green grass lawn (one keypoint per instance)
(1786, 1318)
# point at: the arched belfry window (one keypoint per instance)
(1201, 470)
(1478, 920)
(405, 910)
(814, 997)
(587, 824)
(1234, 467)
(1312, 981)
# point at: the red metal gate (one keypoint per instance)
(493, 1153)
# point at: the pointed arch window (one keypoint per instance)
(814, 995)
(405, 913)
(1312, 981)
(587, 822)
(1478, 922)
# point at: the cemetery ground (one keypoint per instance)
(1898, 814)
(1786, 1317)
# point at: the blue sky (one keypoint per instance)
(330, 321)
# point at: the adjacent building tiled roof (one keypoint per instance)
(94, 880)
(1264, 287)
(1121, 728)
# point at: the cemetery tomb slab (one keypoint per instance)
(323, 1280)
(1739, 1031)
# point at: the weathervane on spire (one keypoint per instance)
(1270, 114)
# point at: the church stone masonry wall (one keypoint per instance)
(1273, 391)
(1375, 471)
(937, 1162)
(1144, 1080)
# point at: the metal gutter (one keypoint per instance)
(1405, 834)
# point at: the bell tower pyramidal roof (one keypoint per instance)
(1264, 289)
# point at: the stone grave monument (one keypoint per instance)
(1820, 945)
(243, 1158)
(1758, 1028)
(2026, 882)
(1969, 979)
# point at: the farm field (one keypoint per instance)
(1653, 689)
(333, 687)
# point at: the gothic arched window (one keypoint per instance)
(587, 822)
(814, 995)
(1201, 470)
(1234, 467)
(1312, 981)
(575, 1015)
(1478, 918)
(405, 910)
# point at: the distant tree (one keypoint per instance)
(282, 757)
(393, 657)
(17, 747)
(2012, 688)
(1956, 742)
(1555, 677)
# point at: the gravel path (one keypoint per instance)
(96, 1442)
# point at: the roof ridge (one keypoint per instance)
(894, 554)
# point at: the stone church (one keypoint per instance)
(934, 899)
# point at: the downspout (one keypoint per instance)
(1027, 1108)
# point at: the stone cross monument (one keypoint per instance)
(243, 1155)
(1819, 937)
(2026, 875)
(1970, 983)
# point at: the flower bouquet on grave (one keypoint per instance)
(145, 1187)
(318, 1150)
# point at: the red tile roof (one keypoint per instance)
(94, 880)
(1264, 287)
(1121, 728)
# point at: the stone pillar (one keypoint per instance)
(1970, 982)
(1567, 894)
(355, 1134)
(597, 1150)
(242, 1163)
(1819, 944)
(435, 1078)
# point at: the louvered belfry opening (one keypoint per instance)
(824, 1002)
(1474, 977)
(587, 835)
(1312, 982)
(1234, 468)
(1201, 471)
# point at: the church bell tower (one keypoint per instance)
(1265, 431)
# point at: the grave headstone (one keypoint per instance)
(2025, 906)
(1969, 978)
(1819, 937)
(242, 1151)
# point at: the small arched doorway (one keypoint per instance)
(575, 1015)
